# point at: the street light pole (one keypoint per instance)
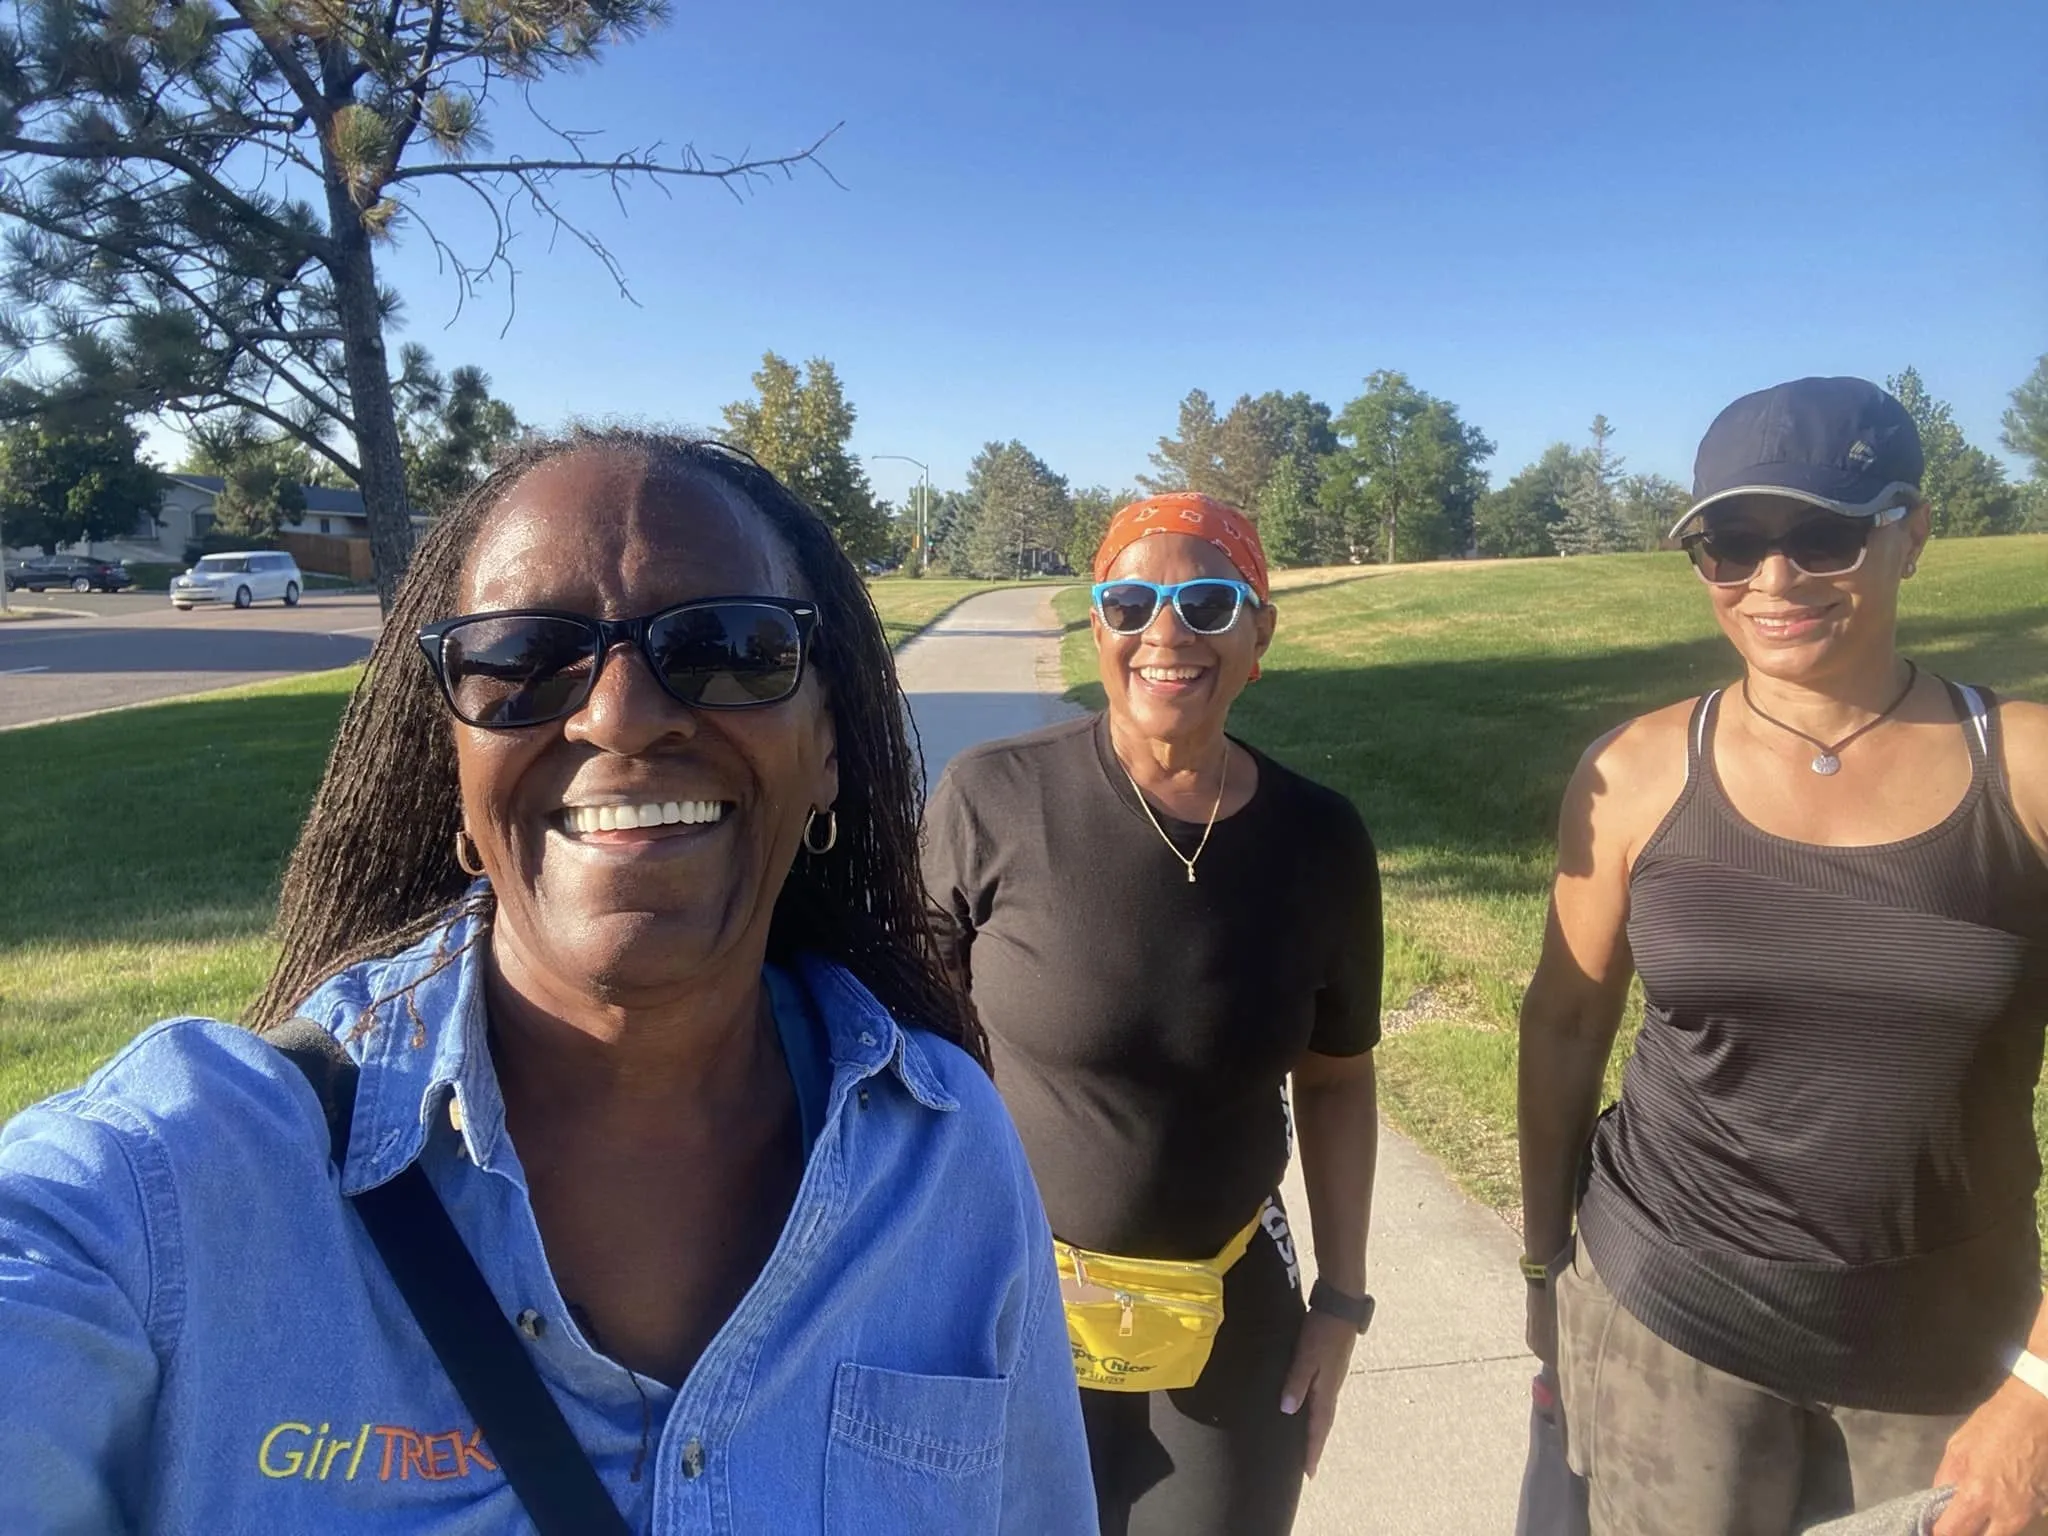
(924, 507)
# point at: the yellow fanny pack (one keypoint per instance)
(1143, 1325)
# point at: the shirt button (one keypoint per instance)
(531, 1323)
(866, 1038)
(693, 1460)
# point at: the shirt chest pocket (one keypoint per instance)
(914, 1453)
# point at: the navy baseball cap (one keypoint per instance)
(1842, 444)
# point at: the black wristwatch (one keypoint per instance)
(1342, 1305)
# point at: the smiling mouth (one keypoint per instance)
(583, 820)
(1171, 674)
(1787, 623)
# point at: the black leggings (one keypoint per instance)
(1218, 1458)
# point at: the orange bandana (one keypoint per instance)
(1199, 516)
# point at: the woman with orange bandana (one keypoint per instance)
(1159, 925)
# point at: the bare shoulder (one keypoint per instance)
(1629, 778)
(2024, 726)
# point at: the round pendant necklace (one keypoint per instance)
(1222, 782)
(1827, 759)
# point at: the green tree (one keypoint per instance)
(946, 528)
(2026, 420)
(65, 479)
(1650, 504)
(452, 428)
(258, 497)
(798, 426)
(1406, 474)
(1192, 460)
(2033, 506)
(1233, 458)
(1019, 512)
(1521, 517)
(1091, 511)
(1249, 443)
(1293, 525)
(263, 476)
(198, 193)
(1592, 522)
(1965, 487)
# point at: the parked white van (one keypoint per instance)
(241, 579)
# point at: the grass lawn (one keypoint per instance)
(142, 852)
(1451, 704)
(908, 603)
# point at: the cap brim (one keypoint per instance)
(1897, 493)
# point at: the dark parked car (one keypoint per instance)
(78, 572)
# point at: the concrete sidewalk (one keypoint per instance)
(1434, 1422)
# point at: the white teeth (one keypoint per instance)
(579, 819)
(1169, 674)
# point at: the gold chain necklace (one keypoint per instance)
(1222, 783)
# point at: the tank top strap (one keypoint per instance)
(1977, 710)
(1699, 733)
(1699, 781)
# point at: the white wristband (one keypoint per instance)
(2033, 1370)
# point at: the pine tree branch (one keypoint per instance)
(225, 400)
(332, 333)
(236, 340)
(157, 154)
(288, 64)
(416, 91)
(627, 165)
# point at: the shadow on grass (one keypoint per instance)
(174, 822)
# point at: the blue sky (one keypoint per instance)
(1056, 218)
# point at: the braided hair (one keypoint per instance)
(374, 870)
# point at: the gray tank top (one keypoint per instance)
(1820, 1176)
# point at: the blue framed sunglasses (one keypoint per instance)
(1208, 606)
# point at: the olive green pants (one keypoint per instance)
(1673, 1447)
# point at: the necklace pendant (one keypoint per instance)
(1826, 764)
(1191, 874)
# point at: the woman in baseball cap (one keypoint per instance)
(1806, 1274)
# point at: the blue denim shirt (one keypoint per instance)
(196, 1334)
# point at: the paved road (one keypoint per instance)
(1432, 1431)
(103, 651)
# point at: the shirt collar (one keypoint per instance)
(416, 1024)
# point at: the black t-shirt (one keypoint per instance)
(1143, 1027)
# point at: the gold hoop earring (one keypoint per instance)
(831, 834)
(467, 856)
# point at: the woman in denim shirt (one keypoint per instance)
(622, 924)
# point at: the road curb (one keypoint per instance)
(29, 615)
(169, 698)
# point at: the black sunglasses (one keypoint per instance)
(528, 666)
(1826, 545)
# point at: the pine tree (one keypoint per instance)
(199, 192)
(1019, 511)
(1593, 523)
(1192, 460)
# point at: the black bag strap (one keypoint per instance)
(476, 1344)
